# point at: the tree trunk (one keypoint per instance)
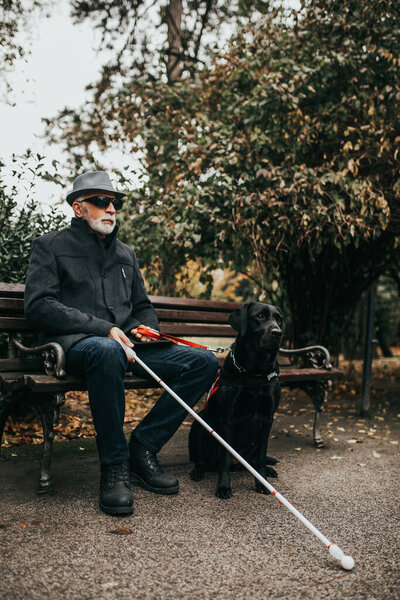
(174, 22)
(324, 290)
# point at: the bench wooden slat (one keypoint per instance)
(19, 324)
(185, 303)
(287, 375)
(12, 290)
(47, 383)
(14, 305)
(11, 382)
(192, 316)
(180, 329)
(21, 364)
(15, 324)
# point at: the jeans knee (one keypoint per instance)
(107, 353)
(207, 363)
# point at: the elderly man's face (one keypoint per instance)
(100, 220)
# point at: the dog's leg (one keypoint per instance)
(262, 445)
(224, 489)
(269, 471)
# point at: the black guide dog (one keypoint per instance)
(242, 402)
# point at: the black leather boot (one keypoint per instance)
(146, 471)
(115, 490)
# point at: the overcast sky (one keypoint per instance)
(62, 62)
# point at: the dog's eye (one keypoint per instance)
(260, 316)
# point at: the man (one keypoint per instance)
(85, 291)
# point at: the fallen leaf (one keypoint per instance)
(297, 449)
(394, 442)
(122, 531)
(336, 457)
(352, 441)
(362, 464)
(376, 454)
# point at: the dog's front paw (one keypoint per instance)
(223, 492)
(261, 489)
(197, 474)
(269, 460)
(270, 472)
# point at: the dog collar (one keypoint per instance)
(242, 370)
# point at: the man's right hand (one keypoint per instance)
(119, 336)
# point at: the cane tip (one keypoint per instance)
(347, 562)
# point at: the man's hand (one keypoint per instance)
(118, 335)
(140, 337)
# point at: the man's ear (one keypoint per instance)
(78, 209)
(238, 318)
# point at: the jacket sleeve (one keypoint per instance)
(143, 310)
(43, 307)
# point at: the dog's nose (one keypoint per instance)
(276, 332)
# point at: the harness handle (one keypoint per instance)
(158, 335)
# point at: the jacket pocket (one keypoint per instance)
(126, 273)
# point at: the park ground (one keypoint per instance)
(196, 546)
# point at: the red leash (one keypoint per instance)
(157, 335)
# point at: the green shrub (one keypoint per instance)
(21, 225)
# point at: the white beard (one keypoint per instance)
(98, 225)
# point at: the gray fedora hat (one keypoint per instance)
(93, 181)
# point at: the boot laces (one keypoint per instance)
(152, 461)
(115, 473)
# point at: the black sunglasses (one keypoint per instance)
(104, 201)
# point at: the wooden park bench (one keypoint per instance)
(37, 373)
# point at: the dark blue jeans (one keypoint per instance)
(102, 362)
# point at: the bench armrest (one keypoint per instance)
(52, 354)
(317, 357)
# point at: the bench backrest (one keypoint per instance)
(178, 316)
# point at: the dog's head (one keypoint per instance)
(261, 323)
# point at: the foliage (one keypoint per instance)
(141, 37)
(280, 160)
(20, 225)
(14, 17)
(138, 32)
(284, 158)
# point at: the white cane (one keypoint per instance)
(346, 561)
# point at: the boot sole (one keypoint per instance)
(165, 491)
(117, 510)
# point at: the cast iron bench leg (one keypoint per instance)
(318, 392)
(6, 400)
(48, 406)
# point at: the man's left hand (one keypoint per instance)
(140, 337)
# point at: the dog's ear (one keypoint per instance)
(283, 326)
(238, 318)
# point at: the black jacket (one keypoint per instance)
(75, 287)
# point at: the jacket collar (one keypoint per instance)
(83, 227)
